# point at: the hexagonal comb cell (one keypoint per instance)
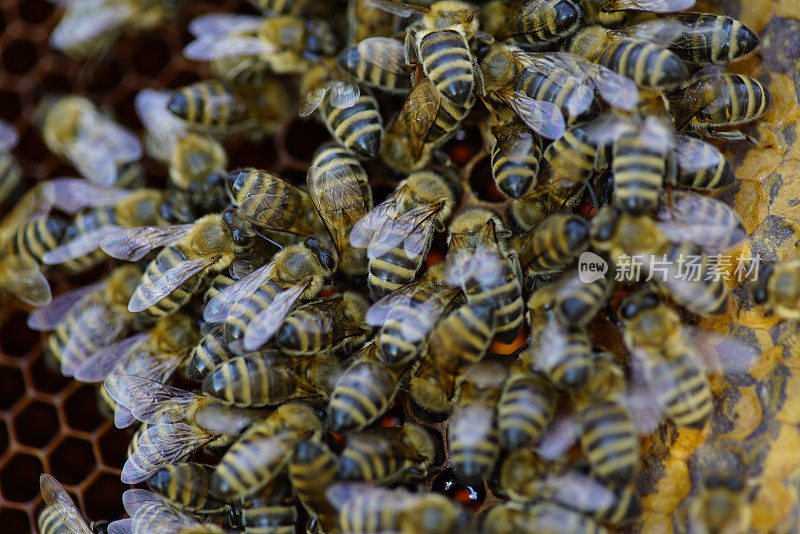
(12, 386)
(14, 520)
(72, 460)
(81, 409)
(16, 339)
(103, 498)
(36, 424)
(19, 478)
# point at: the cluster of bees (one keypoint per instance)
(293, 331)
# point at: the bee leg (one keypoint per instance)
(735, 135)
(442, 158)
(478, 77)
(408, 47)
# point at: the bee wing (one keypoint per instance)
(149, 294)
(412, 229)
(133, 244)
(264, 325)
(54, 494)
(218, 308)
(547, 348)
(50, 316)
(658, 133)
(693, 154)
(419, 113)
(377, 313)
(722, 354)
(485, 263)
(559, 438)
(134, 499)
(86, 20)
(219, 24)
(71, 195)
(273, 194)
(418, 322)
(27, 283)
(161, 445)
(515, 144)
(579, 491)
(708, 223)
(691, 99)
(653, 6)
(311, 100)
(102, 144)
(619, 91)
(344, 93)
(121, 526)
(563, 68)
(34, 205)
(9, 137)
(664, 31)
(341, 493)
(161, 124)
(148, 400)
(384, 53)
(101, 363)
(377, 219)
(78, 247)
(339, 199)
(400, 9)
(213, 47)
(106, 327)
(542, 117)
(123, 418)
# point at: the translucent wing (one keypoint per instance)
(344, 93)
(133, 244)
(616, 89)
(341, 493)
(161, 445)
(27, 283)
(515, 144)
(385, 53)
(417, 322)
(413, 229)
(280, 196)
(547, 349)
(209, 48)
(564, 69)
(704, 221)
(377, 218)
(722, 354)
(484, 264)
(50, 316)
(74, 194)
(579, 491)
(686, 103)
(160, 123)
(155, 366)
(654, 6)
(100, 326)
(54, 494)
(379, 311)
(8, 136)
(84, 21)
(147, 295)
(401, 9)
(542, 117)
(134, 499)
(264, 325)
(694, 154)
(339, 199)
(559, 438)
(150, 401)
(78, 247)
(218, 308)
(662, 30)
(312, 100)
(121, 526)
(100, 146)
(219, 24)
(99, 365)
(419, 114)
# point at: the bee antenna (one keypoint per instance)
(270, 240)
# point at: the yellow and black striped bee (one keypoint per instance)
(103, 152)
(525, 409)
(59, 515)
(219, 109)
(377, 62)
(371, 509)
(89, 318)
(515, 154)
(179, 422)
(386, 455)
(472, 435)
(338, 186)
(398, 232)
(777, 289)
(253, 308)
(350, 114)
(531, 21)
(577, 302)
(648, 64)
(273, 509)
(186, 485)
(699, 165)
(544, 516)
(264, 450)
(364, 390)
(209, 353)
(312, 470)
(151, 514)
(10, 171)
(552, 244)
(192, 252)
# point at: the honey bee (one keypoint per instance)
(186, 485)
(577, 302)
(312, 470)
(704, 293)
(377, 62)
(439, 41)
(700, 38)
(386, 455)
(257, 380)
(255, 306)
(219, 109)
(87, 319)
(249, 47)
(148, 513)
(777, 287)
(714, 99)
(515, 154)
(104, 152)
(271, 510)
(264, 450)
(341, 194)
(541, 517)
(89, 28)
(699, 165)
(408, 315)
(179, 422)
(525, 409)
(650, 65)
(366, 20)
(423, 124)
(364, 390)
(553, 244)
(531, 21)
(10, 171)
(614, 13)
(191, 253)
(59, 515)
(190, 157)
(398, 232)
(478, 264)
(472, 435)
(369, 509)
(209, 353)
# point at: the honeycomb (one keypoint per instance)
(52, 424)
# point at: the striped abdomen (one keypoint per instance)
(447, 62)
(639, 169)
(244, 310)
(526, 408)
(462, 338)
(168, 258)
(208, 354)
(693, 282)
(574, 362)
(271, 202)
(739, 99)
(447, 120)
(83, 223)
(312, 469)
(210, 105)
(369, 513)
(405, 331)
(332, 153)
(550, 20)
(33, 239)
(553, 243)
(186, 485)
(83, 332)
(271, 511)
(318, 327)
(610, 441)
(358, 128)
(474, 441)
(515, 173)
(712, 38)
(380, 456)
(361, 395)
(560, 90)
(504, 295)
(577, 302)
(700, 165)
(393, 270)
(570, 158)
(688, 400)
(252, 380)
(354, 62)
(10, 180)
(648, 64)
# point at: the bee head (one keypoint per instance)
(327, 258)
